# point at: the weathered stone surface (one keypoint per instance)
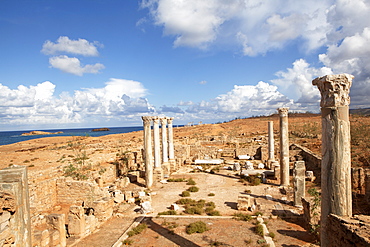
(76, 221)
(57, 222)
(148, 151)
(284, 146)
(14, 199)
(336, 153)
(334, 89)
(244, 202)
(346, 231)
(271, 141)
(299, 182)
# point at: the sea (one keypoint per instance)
(9, 137)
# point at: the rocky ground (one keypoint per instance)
(223, 230)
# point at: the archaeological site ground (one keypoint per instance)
(254, 181)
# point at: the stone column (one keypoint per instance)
(336, 197)
(271, 144)
(165, 164)
(148, 151)
(157, 148)
(157, 151)
(284, 146)
(171, 150)
(299, 182)
(15, 210)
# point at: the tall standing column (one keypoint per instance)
(271, 147)
(336, 197)
(148, 151)
(284, 146)
(164, 140)
(171, 150)
(157, 147)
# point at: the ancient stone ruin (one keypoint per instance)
(49, 208)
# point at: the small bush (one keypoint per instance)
(211, 194)
(259, 229)
(127, 242)
(258, 213)
(185, 194)
(169, 212)
(191, 182)
(243, 217)
(185, 201)
(261, 241)
(194, 210)
(271, 234)
(214, 213)
(176, 180)
(196, 227)
(193, 189)
(137, 230)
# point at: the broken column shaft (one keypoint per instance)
(284, 146)
(271, 148)
(336, 197)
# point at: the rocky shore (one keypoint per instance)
(36, 132)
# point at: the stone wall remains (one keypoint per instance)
(313, 161)
(77, 192)
(345, 231)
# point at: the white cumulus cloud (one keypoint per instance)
(66, 45)
(117, 101)
(73, 65)
(296, 82)
(257, 26)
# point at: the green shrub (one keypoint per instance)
(185, 194)
(137, 230)
(261, 241)
(193, 189)
(185, 201)
(191, 182)
(196, 227)
(243, 217)
(259, 229)
(271, 234)
(127, 242)
(211, 194)
(194, 210)
(176, 180)
(214, 213)
(169, 212)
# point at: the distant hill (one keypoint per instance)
(362, 111)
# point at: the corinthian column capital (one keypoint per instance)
(147, 120)
(170, 120)
(334, 89)
(283, 111)
(163, 121)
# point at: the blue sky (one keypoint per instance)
(94, 63)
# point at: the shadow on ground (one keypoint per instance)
(169, 234)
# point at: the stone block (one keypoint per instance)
(76, 221)
(103, 208)
(118, 197)
(128, 195)
(57, 222)
(244, 202)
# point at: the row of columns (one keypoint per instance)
(161, 164)
(336, 195)
(284, 145)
